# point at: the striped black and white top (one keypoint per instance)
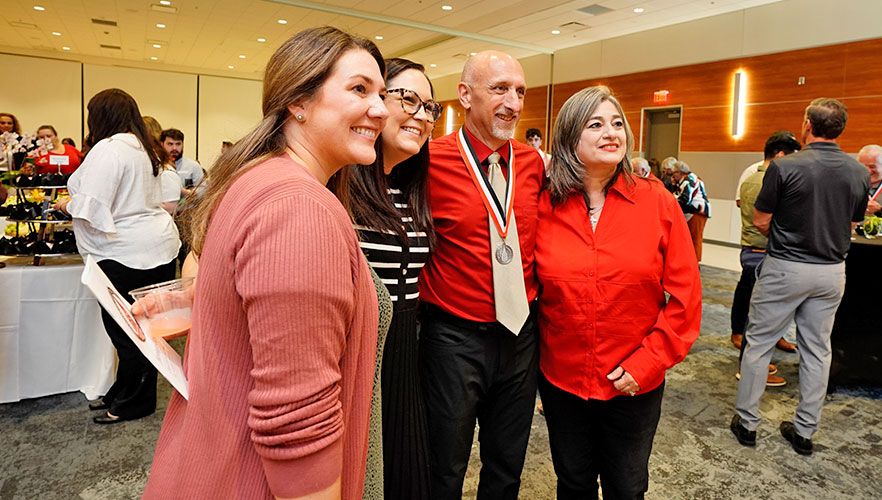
(397, 264)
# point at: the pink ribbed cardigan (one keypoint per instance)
(280, 359)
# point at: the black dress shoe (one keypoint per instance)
(108, 419)
(744, 436)
(98, 405)
(802, 445)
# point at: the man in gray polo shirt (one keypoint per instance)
(806, 206)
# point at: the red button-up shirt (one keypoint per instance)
(458, 277)
(603, 292)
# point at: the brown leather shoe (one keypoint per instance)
(771, 380)
(736, 340)
(785, 346)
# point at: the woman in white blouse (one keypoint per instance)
(116, 205)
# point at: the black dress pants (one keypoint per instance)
(611, 439)
(477, 371)
(133, 393)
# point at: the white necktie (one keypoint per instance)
(509, 293)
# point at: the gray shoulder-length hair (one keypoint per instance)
(566, 172)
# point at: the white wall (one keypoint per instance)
(168, 97)
(42, 92)
(228, 109)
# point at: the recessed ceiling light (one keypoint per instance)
(282, 21)
(65, 48)
(555, 32)
(433, 65)
(241, 56)
(56, 33)
(229, 67)
(261, 40)
(446, 7)
(164, 2)
(638, 10)
(160, 25)
(37, 7)
(474, 53)
(157, 46)
(154, 58)
(379, 37)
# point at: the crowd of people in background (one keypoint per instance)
(365, 296)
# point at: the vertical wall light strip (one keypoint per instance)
(739, 98)
(448, 123)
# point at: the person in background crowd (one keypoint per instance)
(285, 314)
(478, 340)
(9, 123)
(172, 186)
(641, 167)
(70, 142)
(803, 273)
(534, 139)
(693, 200)
(60, 157)
(225, 146)
(667, 168)
(155, 130)
(753, 245)
(608, 334)
(655, 168)
(389, 204)
(191, 172)
(870, 156)
(117, 219)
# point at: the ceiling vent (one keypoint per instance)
(164, 8)
(113, 47)
(23, 25)
(103, 22)
(594, 10)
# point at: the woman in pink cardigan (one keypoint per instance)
(280, 358)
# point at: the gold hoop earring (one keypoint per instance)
(299, 117)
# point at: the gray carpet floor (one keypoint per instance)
(50, 449)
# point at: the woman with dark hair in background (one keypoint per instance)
(607, 333)
(280, 357)
(117, 219)
(9, 123)
(59, 156)
(389, 205)
(172, 186)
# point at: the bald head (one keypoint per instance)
(492, 90)
(871, 157)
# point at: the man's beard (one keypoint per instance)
(503, 132)
(176, 155)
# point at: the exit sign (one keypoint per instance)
(660, 96)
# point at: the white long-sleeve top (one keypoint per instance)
(116, 205)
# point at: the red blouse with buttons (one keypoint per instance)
(603, 291)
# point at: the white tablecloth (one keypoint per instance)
(52, 339)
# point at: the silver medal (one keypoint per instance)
(504, 253)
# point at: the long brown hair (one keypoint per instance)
(113, 111)
(368, 201)
(294, 73)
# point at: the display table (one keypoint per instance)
(52, 339)
(857, 331)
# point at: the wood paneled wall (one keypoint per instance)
(849, 72)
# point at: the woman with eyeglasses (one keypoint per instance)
(389, 204)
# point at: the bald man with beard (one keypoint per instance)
(478, 341)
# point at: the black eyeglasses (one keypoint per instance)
(411, 103)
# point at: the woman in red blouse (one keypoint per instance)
(68, 158)
(609, 246)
